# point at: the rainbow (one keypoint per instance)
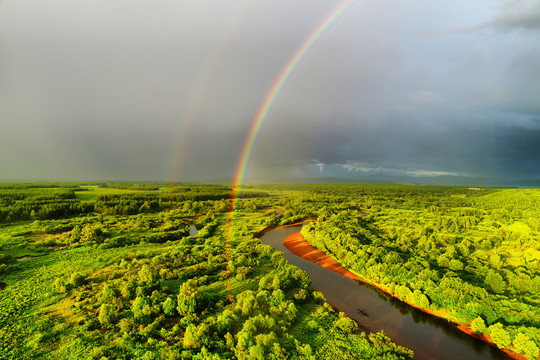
(275, 91)
(260, 118)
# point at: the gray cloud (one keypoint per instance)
(518, 14)
(511, 15)
(134, 90)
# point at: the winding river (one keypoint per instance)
(428, 336)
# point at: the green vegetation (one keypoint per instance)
(93, 271)
(472, 257)
(109, 271)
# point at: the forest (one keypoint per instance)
(160, 271)
(469, 256)
(176, 271)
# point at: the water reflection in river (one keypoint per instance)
(429, 337)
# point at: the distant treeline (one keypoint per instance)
(134, 203)
(40, 201)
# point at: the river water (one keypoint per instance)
(428, 336)
(193, 231)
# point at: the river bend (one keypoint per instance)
(429, 337)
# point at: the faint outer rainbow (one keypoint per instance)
(195, 99)
(275, 91)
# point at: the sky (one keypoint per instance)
(168, 90)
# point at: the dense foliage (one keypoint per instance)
(48, 201)
(116, 275)
(471, 256)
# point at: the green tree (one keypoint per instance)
(137, 308)
(169, 307)
(225, 320)
(187, 298)
(246, 303)
(147, 275)
(75, 234)
(478, 325)
(524, 345)
(90, 234)
(59, 285)
(77, 279)
(301, 295)
(443, 261)
(126, 324)
(106, 314)
(108, 293)
(191, 337)
(420, 299)
(346, 324)
(256, 352)
(229, 340)
(455, 265)
(495, 282)
(128, 291)
(499, 335)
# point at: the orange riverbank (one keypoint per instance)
(301, 247)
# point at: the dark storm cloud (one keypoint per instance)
(522, 83)
(514, 63)
(410, 148)
(518, 150)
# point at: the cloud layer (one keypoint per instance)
(144, 91)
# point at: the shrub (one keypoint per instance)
(346, 324)
(77, 279)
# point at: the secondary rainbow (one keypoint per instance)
(195, 99)
(275, 91)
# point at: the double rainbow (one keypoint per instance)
(254, 132)
(274, 93)
(261, 117)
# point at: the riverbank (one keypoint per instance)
(301, 247)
